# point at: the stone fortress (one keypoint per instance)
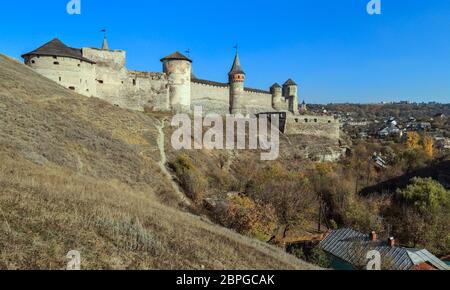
(102, 73)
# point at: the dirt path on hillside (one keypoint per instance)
(162, 163)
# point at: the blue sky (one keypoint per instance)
(332, 48)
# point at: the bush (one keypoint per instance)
(421, 215)
(248, 217)
(413, 159)
(190, 179)
(319, 257)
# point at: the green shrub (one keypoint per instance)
(320, 258)
(190, 179)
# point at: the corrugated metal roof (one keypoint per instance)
(420, 256)
(352, 246)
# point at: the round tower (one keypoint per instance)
(290, 93)
(236, 78)
(179, 70)
(65, 65)
(304, 108)
(277, 98)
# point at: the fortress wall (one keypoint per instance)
(213, 99)
(114, 59)
(133, 90)
(145, 90)
(216, 98)
(210, 92)
(71, 73)
(257, 99)
(109, 84)
(313, 125)
(110, 74)
(284, 105)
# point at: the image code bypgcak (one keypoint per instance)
(276, 137)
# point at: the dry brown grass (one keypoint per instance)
(80, 174)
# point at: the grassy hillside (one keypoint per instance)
(80, 174)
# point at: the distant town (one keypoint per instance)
(391, 122)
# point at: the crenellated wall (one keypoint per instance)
(215, 97)
(204, 90)
(256, 98)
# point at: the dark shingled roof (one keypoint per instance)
(352, 246)
(176, 56)
(236, 69)
(276, 85)
(290, 82)
(57, 48)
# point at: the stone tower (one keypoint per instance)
(304, 108)
(236, 79)
(277, 97)
(179, 71)
(290, 93)
(105, 44)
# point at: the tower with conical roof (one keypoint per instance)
(236, 78)
(178, 68)
(277, 97)
(290, 93)
(304, 108)
(105, 44)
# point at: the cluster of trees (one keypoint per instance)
(281, 196)
(414, 141)
(420, 215)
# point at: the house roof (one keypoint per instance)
(352, 246)
(176, 56)
(56, 47)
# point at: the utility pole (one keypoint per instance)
(319, 226)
